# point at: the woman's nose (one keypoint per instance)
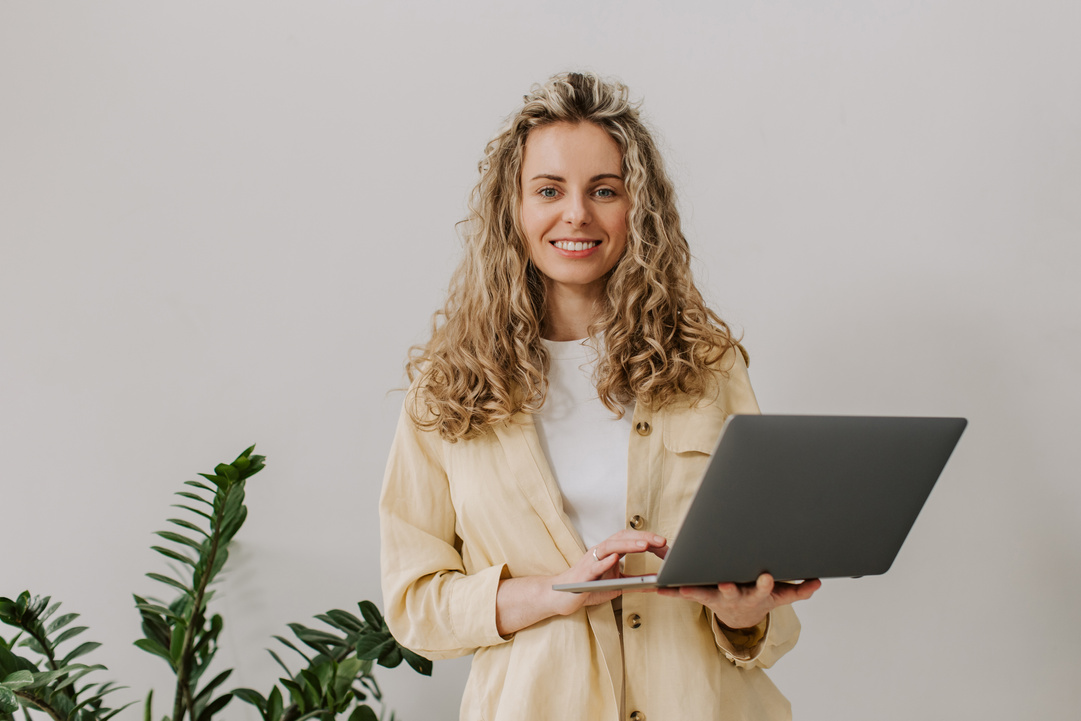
(576, 211)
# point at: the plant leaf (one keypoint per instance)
(173, 555)
(201, 667)
(218, 481)
(391, 657)
(316, 712)
(212, 685)
(207, 516)
(313, 684)
(346, 674)
(363, 713)
(156, 629)
(217, 705)
(371, 614)
(71, 632)
(32, 644)
(296, 693)
(251, 696)
(18, 679)
(369, 682)
(194, 497)
(419, 663)
(93, 699)
(176, 644)
(81, 650)
(326, 673)
(78, 675)
(9, 662)
(230, 473)
(170, 582)
(156, 609)
(60, 622)
(181, 539)
(274, 705)
(275, 656)
(114, 712)
(151, 646)
(312, 636)
(286, 642)
(372, 646)
(345, 620)
(46, 677)
(8, 702)
(186, 524)
(48, 612)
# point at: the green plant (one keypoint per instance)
(51, 685)
(339, 673)
(336, 680)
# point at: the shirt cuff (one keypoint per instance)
(742, 646)
(473, 608)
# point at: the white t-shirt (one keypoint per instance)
(585, 443)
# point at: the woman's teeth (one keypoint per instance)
(576, 245)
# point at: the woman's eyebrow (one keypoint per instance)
(560, 179)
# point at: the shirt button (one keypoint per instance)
(638, 716)
(637, 522)
(644, 429)
(634, 621)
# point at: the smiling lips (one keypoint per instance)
(575, 245)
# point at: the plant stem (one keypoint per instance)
(183, 700)
(50, 655)
(43, 641)
(41, 704)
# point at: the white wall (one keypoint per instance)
(224, 223)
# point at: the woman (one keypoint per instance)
(557, 424)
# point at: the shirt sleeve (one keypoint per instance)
(432, 605)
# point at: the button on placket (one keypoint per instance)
(643, 428)
(637, 716)
(634, 620)
(636, 522)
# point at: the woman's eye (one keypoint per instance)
(606, 193)
(548, 192)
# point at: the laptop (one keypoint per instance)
(802, 497)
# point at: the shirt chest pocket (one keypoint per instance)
(689, 437)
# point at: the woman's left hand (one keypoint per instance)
(745, 606)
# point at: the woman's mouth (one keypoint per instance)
(575, 244)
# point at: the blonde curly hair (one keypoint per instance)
(485, 361)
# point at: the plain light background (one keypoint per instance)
(224, 223)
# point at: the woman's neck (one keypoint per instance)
(569, 311)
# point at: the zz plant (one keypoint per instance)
(336, 681)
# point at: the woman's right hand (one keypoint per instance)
(602, 561)
(522, 602)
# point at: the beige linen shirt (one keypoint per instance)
(458, 517)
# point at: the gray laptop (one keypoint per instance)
(803, 497)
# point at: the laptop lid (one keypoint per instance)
(806, 497)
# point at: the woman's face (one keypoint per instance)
(574, 205)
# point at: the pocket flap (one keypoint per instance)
(693, 430)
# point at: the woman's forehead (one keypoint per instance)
(565, 149)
